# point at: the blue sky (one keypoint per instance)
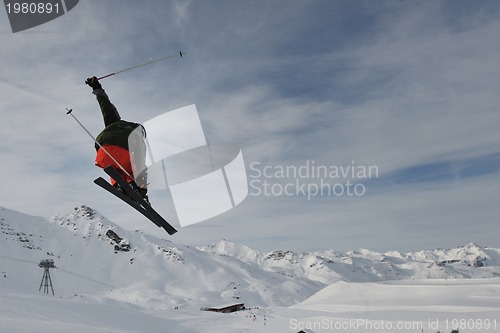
(409, 87)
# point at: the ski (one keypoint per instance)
(137, 198)
(132, 198)
(111, 189)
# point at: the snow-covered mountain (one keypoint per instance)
(101, 267)
(327, 267)
(95, 256)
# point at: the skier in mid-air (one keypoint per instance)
(121, 143)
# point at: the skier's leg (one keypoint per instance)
(120, 155)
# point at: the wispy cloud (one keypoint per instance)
(410, 88)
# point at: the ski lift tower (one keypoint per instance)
(46, 280)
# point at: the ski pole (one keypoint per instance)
(180, 54)
(100, 146)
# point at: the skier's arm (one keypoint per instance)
(109, 112)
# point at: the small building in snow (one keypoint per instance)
(227, 308)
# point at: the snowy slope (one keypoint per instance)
(469, 305)
(138, 268)
(113, 280)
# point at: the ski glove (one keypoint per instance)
(93, 83)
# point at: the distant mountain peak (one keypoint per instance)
(83, 212)
(84, 220)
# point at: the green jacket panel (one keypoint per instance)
(116, 134)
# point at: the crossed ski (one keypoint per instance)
(133, 199)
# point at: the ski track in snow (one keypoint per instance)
(128, 281)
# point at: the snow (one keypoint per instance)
(446, 304)
(128, 281)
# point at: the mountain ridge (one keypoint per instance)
(95, 256)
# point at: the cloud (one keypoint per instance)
(409, 88)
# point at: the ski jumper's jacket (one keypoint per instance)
(121, 140)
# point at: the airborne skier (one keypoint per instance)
(121, 152)
(121, 144)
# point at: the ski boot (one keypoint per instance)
(141, 191)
